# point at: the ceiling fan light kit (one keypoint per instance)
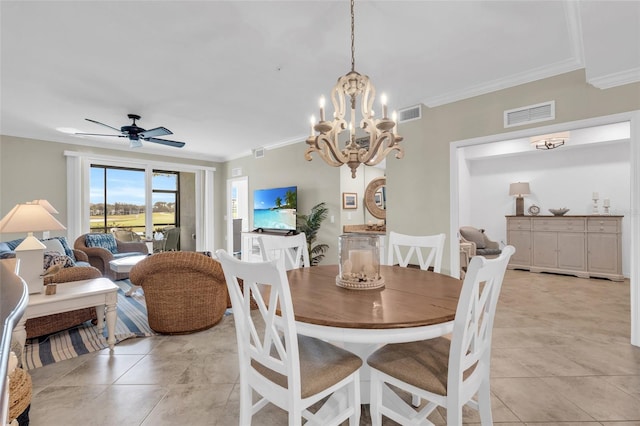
(136, 134)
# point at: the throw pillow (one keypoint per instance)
(67, 249)
(106, 241)
(52, 258)
(53, 245)
(474, 235)
(14, 243)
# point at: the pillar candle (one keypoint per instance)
(595, 196)
(360, 259)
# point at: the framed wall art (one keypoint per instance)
(349, 200)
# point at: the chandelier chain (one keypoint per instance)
(353, 38)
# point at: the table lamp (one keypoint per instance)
(47, 205)
(30, 218)
(519, 189)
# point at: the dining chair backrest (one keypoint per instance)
(427, 249)
(473, 325)
(419, 367)
(269, 350)
(266, 348)
(292, 250)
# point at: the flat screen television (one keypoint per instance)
(275, 209)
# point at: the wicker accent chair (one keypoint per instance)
(41, 326)
(100, 257)
(185, 291)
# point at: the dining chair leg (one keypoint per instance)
(354, 400)
(484, 403)
(246, 405)
(375, 399)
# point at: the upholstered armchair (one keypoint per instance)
(481, 245)
(103, 248)
(185, 291)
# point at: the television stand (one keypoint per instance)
(275, 231)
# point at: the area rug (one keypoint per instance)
(85, 338)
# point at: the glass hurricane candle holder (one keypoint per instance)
(359, 262)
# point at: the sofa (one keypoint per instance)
(103, 248)
(185, 291)
(76, 268)
(53, 244)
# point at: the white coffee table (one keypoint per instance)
(125, 264)
(99, 292)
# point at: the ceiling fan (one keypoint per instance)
(137, 134)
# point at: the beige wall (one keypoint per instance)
(33, 169)
(418, 185)
(315, 180)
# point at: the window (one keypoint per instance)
(166, 200)
(117, 199)
(197, 212)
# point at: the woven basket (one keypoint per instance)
(19, 392)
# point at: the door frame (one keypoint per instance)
(229, 215)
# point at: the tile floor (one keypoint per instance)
(561, 356)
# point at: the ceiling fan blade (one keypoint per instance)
(166, 142)
(158, 131)
(99, 134)
(102, 124)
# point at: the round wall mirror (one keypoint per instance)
(375, 198)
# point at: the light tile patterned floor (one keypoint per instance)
(561, 355)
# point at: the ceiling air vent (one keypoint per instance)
(258, 152)
(530, 114)
(408, 114)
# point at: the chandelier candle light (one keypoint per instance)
(382, 133)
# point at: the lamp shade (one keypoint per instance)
(29, 218)
(519, 189)
(46, 205)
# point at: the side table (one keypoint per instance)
(125, 264)
(99, 292)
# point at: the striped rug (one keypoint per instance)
(85, 338)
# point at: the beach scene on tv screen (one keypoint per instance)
(275, 208)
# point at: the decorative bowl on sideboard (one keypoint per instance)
(559, 212)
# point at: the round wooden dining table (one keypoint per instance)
(413, 305)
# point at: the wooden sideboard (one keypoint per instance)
(585, 246)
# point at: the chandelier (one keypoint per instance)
(381, 133)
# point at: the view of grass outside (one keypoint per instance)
(117, 199)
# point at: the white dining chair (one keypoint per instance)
(286, 369)
(446, 373)
(292, 249)
(428, 250)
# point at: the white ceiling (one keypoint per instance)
(230, 76)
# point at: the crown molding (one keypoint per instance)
(616, 79)
(540, 73)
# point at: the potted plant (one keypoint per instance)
(310, 224)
